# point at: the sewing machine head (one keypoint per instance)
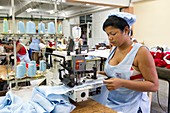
(77, 73)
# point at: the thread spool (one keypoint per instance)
(19, 73)
(42, 65)
(31, 70)
(34, 63)
(24, 67)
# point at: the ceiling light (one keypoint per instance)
(58, 3)
(87, 4)
(51, 12)
(1, 7)
(29, 10)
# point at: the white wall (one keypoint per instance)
(98, 35)
(67, 23)
(153, 21)
(152, 25)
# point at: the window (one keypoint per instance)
(85, 19)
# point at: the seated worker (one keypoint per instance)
(61, 40)
(22, 53)
(78, 42)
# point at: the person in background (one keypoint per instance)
(65, 40)
(34, 48)
(60, 40)
(78, 42)
(130, 68)
(21, 50)
(132, 38)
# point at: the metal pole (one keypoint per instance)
(55, 10)
(15, 64)
(13, 16)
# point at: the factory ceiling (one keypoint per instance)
(58, 8)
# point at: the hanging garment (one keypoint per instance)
(123, 99)
(21, 27)
(41, 28)
(51, 28)
(30, 28)
(5, 26)
(76, 32)
(59, 31)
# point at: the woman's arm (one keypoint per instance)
(8, 46)
(11, 47)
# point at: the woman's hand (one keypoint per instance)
(113, 83)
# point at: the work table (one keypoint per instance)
(91, 106)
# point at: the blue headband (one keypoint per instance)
(129, 18)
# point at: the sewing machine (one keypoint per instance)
(72, 73)
(77, 75)
(76, 71)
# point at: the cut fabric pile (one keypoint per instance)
(42, 101)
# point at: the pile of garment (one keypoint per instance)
(161, 58)
(44, 99)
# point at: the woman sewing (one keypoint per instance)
(130, 68)
(22, 54)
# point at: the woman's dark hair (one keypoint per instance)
(115, 22)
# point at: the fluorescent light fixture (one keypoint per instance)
(1, 7)
(58, 3)
(87, 4)
(51, 12)
(29, 10)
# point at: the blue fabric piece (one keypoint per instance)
(62, 108)
(10, 103)
(41, 28)
(129, 18)
(40, 99)
(43, 100)
(21, 27)
(28, 107)
(51, 100)
(51, 28)
(30, 27)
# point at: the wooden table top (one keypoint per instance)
(91, 106)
